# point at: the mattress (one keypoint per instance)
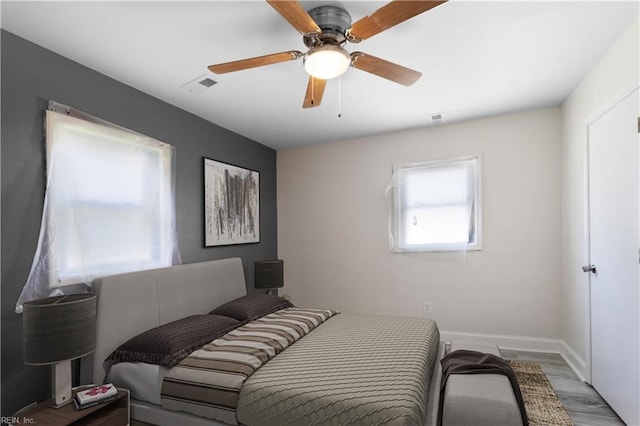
(144, 381)
(356, 370)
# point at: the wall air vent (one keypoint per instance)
(198, 85)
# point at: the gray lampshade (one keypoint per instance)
(59, 328)
(269, 274)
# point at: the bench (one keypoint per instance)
(479, 399)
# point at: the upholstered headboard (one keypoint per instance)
(129, 304)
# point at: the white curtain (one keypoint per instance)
(109, 207)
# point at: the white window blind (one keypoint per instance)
(435, 206)
(109, 206)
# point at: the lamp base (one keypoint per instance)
(61, 384)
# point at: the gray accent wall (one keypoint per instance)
(31, 76)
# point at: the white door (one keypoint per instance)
(614, 252)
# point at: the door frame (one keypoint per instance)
(629, 89)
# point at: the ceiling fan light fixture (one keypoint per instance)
(327, 61)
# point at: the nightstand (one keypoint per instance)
(114, 413)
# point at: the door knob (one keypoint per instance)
(589, 268)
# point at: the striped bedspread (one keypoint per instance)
(207, 383)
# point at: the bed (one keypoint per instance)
(350, 369)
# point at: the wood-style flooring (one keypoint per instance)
(583, 404)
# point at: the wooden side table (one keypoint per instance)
(114, 413)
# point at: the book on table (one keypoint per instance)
(95, 395)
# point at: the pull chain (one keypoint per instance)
(339, 97)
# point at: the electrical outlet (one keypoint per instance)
(426, 308)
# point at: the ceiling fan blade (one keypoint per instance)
(385, 69)
(315, 90)
(258, 61)
(295, 14)
(387, 16)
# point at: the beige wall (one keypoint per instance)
(614, 75)
(332, 228)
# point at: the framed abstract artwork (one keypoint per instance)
(231, 204)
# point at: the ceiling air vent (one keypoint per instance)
(436, 118)
(198, 85)
(207, 82)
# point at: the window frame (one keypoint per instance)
(398, 208)
(54, 248)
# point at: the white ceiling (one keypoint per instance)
(477, 59)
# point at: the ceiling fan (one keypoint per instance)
(325, 30)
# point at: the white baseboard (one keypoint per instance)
(577, 364)
(525, 343)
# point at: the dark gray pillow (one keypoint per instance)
(252, 306)
(170, 343)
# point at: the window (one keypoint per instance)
(109, 205)
(436, 206)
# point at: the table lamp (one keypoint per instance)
(269, 274)
(57, 330)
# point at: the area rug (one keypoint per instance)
(540, 400)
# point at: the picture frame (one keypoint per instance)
(231, 204)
